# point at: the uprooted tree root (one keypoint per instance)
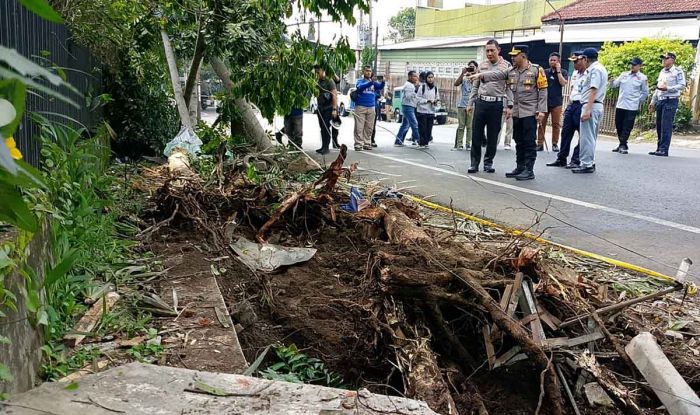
(384, 301)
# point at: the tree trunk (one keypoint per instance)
(249, 123)
(175, 79)
(402, 230)
(199, 49)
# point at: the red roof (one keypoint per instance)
(601, 10)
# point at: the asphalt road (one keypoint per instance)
(636, 208)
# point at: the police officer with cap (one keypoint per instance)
(528, 84)
(669, 85)
(592, 88)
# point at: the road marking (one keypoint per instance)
(589, 205)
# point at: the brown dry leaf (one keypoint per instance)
(526, 257)
(204, 322)
(135, 341)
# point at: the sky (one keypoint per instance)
(383, 11)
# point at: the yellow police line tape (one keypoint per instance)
(692, 289)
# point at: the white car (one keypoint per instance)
(344, 104)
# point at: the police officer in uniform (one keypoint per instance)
(486, 100)
(528, 84)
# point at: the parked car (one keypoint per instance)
(344, 104)
(207, 102)
(440, 111)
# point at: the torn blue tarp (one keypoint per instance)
(357, 201)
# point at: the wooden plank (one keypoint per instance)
(530, 307)
(528, 319)
(495, 331)
(546, 317)
(90, 319)
(490, 352)
(515, 294)
(505, 357)
(576, 341)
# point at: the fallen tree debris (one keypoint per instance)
(90, 319)
(413, 302)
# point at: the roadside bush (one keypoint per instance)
(141, 113)
(616, 57)
(684, 117)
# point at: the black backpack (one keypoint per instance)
(354, 95)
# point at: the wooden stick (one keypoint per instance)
(619, 306)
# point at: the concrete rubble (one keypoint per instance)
(138, 388)
(663, 378)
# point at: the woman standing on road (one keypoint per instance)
(428, 96)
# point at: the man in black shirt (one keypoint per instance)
(327, 107)
(556, 79)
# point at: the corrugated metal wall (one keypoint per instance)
(48, 44)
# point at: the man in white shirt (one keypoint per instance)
(633, 91)
(572, 116)
(593, 88)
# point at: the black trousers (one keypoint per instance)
(525, 136)
(324, 122)
(486, 114)
(572, 125)
(624, 122)
(425, 127)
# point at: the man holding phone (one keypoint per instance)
(465, 118)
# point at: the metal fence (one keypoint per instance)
(450, 94)
(48, 44)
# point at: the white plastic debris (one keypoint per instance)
(268, 257)
(186, 140)
(664, 379)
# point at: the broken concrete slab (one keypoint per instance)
(596, 395)
(664, 379)
(138, 388)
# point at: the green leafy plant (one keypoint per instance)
(59, 363)
(684, 117)
(143, 351)
(296, 367)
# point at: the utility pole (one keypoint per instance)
(376, 49)
(561, 27)
(371, 6)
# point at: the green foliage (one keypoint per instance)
(616, 57)
(684, 117)
(403, 25)
(367, 57)
(143, 351)
(140, 113)
(59, 363)
(296, 367)
(42, 9)
(80, 199)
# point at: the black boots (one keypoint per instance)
(515, 172)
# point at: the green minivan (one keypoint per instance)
(440, 113)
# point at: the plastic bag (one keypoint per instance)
(187, 140)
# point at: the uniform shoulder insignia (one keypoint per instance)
(541, 79)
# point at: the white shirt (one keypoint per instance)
(575, 80)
